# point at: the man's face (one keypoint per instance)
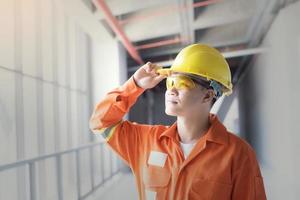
(183, 97)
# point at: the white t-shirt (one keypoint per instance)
(187, 148)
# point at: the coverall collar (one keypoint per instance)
(216, 133)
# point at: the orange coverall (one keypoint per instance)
(221, 166)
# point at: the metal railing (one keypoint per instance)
(31, 163)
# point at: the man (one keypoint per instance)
(194, 159)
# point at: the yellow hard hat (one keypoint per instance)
(204, 61)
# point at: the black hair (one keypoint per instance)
(205, 84)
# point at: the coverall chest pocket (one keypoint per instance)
(156, 177)
(203, 189)
(156, 181)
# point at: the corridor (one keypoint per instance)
(60, 58)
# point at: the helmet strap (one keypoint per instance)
(217, 88)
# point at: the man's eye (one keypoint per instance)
(183, 85)
(172, 83)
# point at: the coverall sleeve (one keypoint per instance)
(124, 137)
(247, 179)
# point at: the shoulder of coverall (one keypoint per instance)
(244, 152)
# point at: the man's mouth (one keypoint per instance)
(172, 101)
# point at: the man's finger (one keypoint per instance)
(148, 67)
(154, 68)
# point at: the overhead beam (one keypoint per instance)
(158, 52)
(169, 9)
(124, 7)
(245, 52)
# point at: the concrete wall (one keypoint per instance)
(45, 104)
(269, 97)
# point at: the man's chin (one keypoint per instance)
(170, 113)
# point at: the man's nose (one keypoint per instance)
(172, 91)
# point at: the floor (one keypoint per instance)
(122, 187)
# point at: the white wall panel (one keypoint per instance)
(49, 118)
(82, 66)
(50, 180)
(84, 170)
(98, 165)
(74, 129)
(29, 37)
(63, 119)
(69, 177)
(7, 23)
(105, 68)
(62, 41)
(30, 117)
(69, 107)
(73, 54)
(61, 45)
(47, 39)
(7, 117)
(8, 182)
(85, 118)
(8, 147)
(81, 136)
(107, 161)
(115, 160)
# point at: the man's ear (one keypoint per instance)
(208, 96)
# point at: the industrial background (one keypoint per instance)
(58, 58)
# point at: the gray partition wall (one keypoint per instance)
(269, 100)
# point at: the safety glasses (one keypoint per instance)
(180, 82)
(186, 82)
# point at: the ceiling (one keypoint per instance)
(158, 29)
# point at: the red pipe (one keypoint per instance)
(160, 43)
(114, 24)
(204, 3)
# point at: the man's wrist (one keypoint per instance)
(135, 82)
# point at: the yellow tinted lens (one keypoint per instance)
(169, 83)
(180, 82)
